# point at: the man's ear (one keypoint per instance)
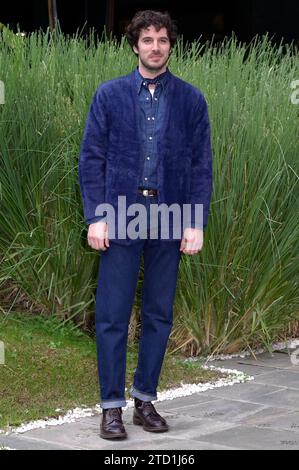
(135, 49)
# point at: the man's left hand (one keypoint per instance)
(192, 241)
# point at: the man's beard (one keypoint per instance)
(153, 68)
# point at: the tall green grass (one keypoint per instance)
(242, 289)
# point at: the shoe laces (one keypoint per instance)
(149, 408)
(115, 414)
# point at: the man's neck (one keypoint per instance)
(148, 73)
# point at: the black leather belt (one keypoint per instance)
(147, 192)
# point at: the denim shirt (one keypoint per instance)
(153, 112)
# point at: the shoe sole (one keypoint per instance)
(138, 422)
(113, 436)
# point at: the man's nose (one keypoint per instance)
(156, 46)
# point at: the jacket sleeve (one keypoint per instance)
(92, 159)
(201, 167)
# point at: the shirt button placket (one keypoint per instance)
(149, 139)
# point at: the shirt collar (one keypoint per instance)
(139, 79)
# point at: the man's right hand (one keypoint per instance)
(97, 236)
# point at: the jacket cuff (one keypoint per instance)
(103, 218)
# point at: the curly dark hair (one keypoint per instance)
(144, 19)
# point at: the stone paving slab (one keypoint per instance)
(286, 378)
(184, 426)
(273, 418)
(284, 398)
(251, 437)
(194, 399)
(173, 444)
(219, 409)
(21, 442)
(245, 391)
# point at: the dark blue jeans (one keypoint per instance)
(117, 280)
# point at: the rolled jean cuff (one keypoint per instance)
(113, 404)
(141, 395)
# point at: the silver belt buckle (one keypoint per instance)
(145, 192)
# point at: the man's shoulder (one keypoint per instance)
(116, 83)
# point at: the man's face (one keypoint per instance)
(153, 48)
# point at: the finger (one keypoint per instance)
(190, 246)
(191, 249)
(96, 243)
(102, 245)
(93, 246)
(91, 243)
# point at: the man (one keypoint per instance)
(147, 137)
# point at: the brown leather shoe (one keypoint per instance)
(146, 416)
(112, 426)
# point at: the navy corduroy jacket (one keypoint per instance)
(111, 160)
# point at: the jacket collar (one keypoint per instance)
(139, 79)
